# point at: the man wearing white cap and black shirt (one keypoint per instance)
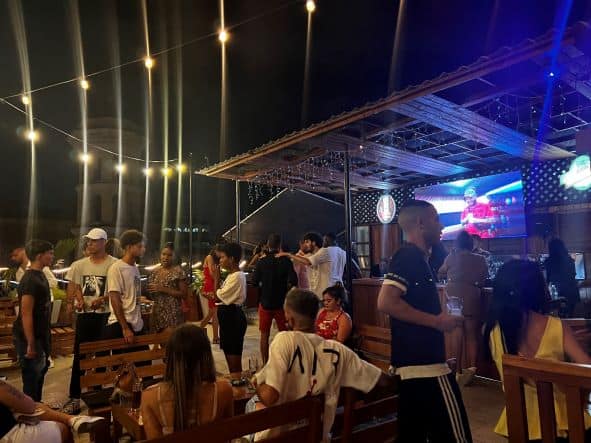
(87, 279)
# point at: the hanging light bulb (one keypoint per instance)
(32, 135)
(166, 172)
(223, 36)
(181, 168)
(26, 100)
(84, 84)
(147, 172)
(149, 62)
(120, 168)
(310, 6)
(84, 157)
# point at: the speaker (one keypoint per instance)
(540, 225)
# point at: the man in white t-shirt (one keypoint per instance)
(124, 289)
(302, 363)
(330, 261)
(87, 279)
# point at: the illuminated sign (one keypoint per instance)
(579, 174)
(386, 209)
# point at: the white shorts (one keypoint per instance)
(42, 432)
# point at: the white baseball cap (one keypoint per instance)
(96, 234)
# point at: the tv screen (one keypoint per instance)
(491, 206)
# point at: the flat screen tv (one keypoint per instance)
(490, 206)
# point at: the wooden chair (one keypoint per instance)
(308, 408)
(574, 380)
(366, 417)
(100, 360)
(375, 345)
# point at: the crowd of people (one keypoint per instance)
(305, 296)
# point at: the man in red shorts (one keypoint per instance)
(274, 276)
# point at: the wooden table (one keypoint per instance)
(132, 422)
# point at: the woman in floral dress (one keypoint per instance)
(167, 286)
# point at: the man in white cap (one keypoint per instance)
(87, 279)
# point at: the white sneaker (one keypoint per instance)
(82, 424)
(51, 363)
(466, 377)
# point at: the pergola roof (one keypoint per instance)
(479, 117)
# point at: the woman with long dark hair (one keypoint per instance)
(190, 395)
(516, 325)
(560, 271)
(333, 323)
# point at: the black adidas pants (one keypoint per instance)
(431, 410)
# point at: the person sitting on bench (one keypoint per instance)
(190, 395)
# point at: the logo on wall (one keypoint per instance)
(579, 174)
(386, 209)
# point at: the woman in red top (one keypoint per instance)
(333, 322)
(211, 282)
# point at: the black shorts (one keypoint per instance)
(232, 329)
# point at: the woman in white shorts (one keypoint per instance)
(40, 424)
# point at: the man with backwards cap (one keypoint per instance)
(87, 279)
(477, 217)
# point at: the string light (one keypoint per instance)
(223, 36)
(84, 84)
(84, 157)
(120, 168)
(181, 168)
(32, 135)
(166, 172)
(310, 6)
(149, 62)
(147, 172)
(26, 100)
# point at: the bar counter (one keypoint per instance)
(367, 317)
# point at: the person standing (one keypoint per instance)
(211, 282)
(302, 270)
(274, 276)
(124, 289)
(232, 295)
(167, 287)
(20, 257)
(31, 330)
(87, 279)
(330, 260)
(561, 272)
(466, 273)
(431, 407)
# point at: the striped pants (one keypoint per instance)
(431, 410)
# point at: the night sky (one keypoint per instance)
(351, 57)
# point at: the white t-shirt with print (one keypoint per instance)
(331, 266)
(302, 364)
(125, 279)
(92, 279)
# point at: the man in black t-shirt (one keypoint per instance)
(274, 276)
(31, 330)
(431, 407)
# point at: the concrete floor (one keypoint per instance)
(483, 399)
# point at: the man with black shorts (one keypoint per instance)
(274, 276)
(431, 407)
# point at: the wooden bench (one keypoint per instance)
(366, 417)
(574, 380)
(100, 360)
(62, 341)
(375, 345)
(308, 408)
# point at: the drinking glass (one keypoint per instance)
(136, 396)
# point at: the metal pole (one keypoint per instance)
(237, 212)
(190, 217)
(348, 227)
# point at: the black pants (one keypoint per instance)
(431, 410)
(89, 327)
(115, 331)
(232, 329)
